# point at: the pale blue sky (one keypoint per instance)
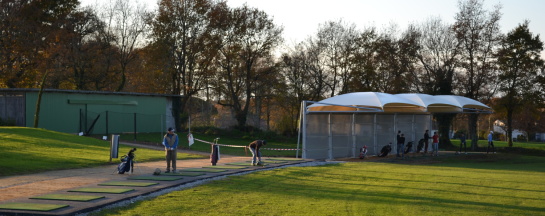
(301, 18)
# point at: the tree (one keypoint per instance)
(478, 33)
(438, 55)
(185, 31)
(125, 23)
(248, 35)
(29, 30)
(519, 61)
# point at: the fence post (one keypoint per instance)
(106, 123)
(134, 126)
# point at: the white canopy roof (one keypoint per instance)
(395, 103)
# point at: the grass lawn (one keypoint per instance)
(30, 150)
(501, 145)
(500, 184)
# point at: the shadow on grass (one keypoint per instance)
(338, 187)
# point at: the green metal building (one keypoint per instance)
(88, 112)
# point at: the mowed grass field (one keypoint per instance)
(476, 184)
(473, 184)
(30, 150)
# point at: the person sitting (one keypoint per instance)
(363, 152)
(385, 150)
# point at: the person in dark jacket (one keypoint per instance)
(400, 145)
(256, 153)
(426, 141)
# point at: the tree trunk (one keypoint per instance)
(444, 121)
(39, 102)
(472, 130)
(510, 127)
(176, 112)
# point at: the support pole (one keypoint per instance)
(304, 131)
(330, 138)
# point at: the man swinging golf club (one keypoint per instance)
(254, 148)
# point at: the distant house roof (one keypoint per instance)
(85, 92)
(398, 103)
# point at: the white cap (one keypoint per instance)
(491, 131)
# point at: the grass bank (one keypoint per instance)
(499, 184)
(30, 150)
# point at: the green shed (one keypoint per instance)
(88, 112)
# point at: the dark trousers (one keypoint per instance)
(488, 148)
(426, 146)
(464, 144)
(171, 159)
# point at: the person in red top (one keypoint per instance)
(435, 144)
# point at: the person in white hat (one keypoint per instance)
(490, 143)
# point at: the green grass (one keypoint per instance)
(30, 150)
(462, 185)
(227, 140)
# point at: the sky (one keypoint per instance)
(301, 18)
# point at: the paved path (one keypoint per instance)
(20, 188)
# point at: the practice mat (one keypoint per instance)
(127, 183)
(31, 206)
(204, 170)
(240, 164)
(271, 161)
(156, 178)
(183, 174)
(225, 167)
(102, 190)
(69, 197)
(286, 159)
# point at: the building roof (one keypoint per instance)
(85, 92)
(398, 103)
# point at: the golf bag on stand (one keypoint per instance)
(215, 153)
(127, 162)
(409, 147)
(420, 145)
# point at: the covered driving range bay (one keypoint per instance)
(339, 126)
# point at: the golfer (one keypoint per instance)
(491, 142)
(254, 148)
(170, 142)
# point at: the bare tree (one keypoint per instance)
(478, 32)
(125, 21)
(438, 55)
(249, 36)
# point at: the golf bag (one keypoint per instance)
(409, 147)
(420, 145)
(385, 150)
(363, 152)
(126, 164)
(215, 155)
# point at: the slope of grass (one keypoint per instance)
(30, 150)
(484, 185)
